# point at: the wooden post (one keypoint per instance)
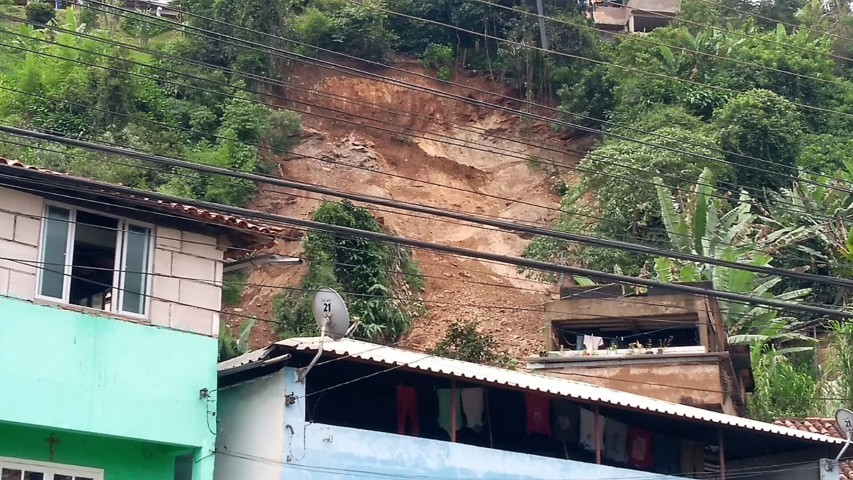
(454, 400)
(597, 426)
(722, 454)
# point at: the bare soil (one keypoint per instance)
(364, 135)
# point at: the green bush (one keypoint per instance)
(40, 13)
(439, 57)
(462, 341)
(361, 30)
(766, 128)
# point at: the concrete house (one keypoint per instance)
(109, 316)
(674, 343)
(634, 16)
(372, 411)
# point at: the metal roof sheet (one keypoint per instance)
(397, 357)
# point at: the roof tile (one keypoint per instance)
(822, 426)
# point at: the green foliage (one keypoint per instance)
(439, 57)
(785, 386)
(144, 26)
(361, 29)
(40, 13)
(766, 127)
(122, 102)
(230, 347)
(373, 278)
(233, 285)
(824, 153)
(589, 100)
(463, 341)
(841, 362)
(624, 209)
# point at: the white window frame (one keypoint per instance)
(49, 469)
(119, 263)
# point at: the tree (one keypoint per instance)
(761, 132)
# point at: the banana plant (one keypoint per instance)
(704, 225)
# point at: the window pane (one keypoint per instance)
(33, 476)
(136, 269)
(82, 478)
(54, 246)
(57, 476)
(94, 260)
(9, 474)
(184, 467)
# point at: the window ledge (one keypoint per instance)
(92, 311)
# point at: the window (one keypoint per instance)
(95, 261)
(15, 469)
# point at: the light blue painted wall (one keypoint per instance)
(76, 372)
(325, 452)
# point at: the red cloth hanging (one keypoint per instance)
(407, 410)
(640, 452)
(538, 413)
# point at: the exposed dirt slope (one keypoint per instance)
(485, 163)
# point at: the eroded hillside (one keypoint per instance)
(391, 141)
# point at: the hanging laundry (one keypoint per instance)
(616, 441)
(640, 448)
(538, 413)
(472, 405)
(565, 422)
(666, 452)
(407, 411)
(579, 342)
(444, 409)
(692, 458)
(588, 434)
(592, 343)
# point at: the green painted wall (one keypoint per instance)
(120, 459)
(69, 371)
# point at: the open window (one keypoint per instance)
(15, 469)
(95, 261)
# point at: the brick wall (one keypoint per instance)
(187, 267)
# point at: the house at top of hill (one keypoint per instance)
(662, 344)
(109, 315)
(634, 16)
(373, 411)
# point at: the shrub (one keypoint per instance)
(40, 13)
(439, 57)
(462, 341)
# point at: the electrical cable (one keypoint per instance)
(586, 240)
(516, 261)
(645, 39)
(290, 55)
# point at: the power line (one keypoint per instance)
(583, 239)
(580, 57)
(518, 262)
(645, 39)
(290, 55)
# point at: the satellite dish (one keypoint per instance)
(844, 419)
(330, 313)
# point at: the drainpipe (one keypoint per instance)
(453, 409)
(597, 427)
(722, 454)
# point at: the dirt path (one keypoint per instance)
(485, 163)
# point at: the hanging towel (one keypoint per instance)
(472, 405)
(640, 448)
(565, 422)
(579, 342)
(444, 410)
(616, 441)
(587, 429)
(592, 343)
(666, 452)
(538, 413)
(407, 410)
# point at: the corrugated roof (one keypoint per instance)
(528, 381)
(822, 426)
(141, 197)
